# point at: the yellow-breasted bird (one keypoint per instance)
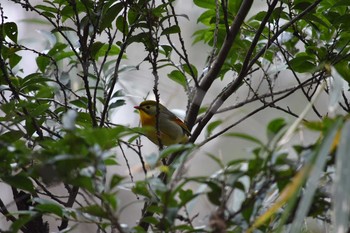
(171, 129)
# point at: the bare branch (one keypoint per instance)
(237, 82)
(209, 78)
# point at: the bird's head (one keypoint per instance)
(149, 107)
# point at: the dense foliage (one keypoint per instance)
(56, 128)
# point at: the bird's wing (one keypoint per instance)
(173, 117)
(183, 125)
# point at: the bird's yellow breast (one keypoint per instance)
(146, 119)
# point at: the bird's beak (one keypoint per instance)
(137, 107)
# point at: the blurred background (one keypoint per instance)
(137, 85)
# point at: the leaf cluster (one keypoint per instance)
(56, 127)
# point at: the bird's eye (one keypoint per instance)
(148, 107)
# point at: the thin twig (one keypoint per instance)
(249, 115)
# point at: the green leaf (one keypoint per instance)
(67, 12)
(117, 104)
(11, 136)
(317, 19)
(29, 126)
(114, 181)
(344, 70)
(45, 92)
(150, 219)
(33, 82)
(20, 181)
(110, 15)
(43, 62)
(141, 188)
(118, 93)
(216, 159)
(233, 6)
(255, 166)
(174, 149)
(110, 161)
(14, 58)
(142, 37)
(302, 4)
(186, 196)
(106, 138)
(39, 110)
(171, 30)
(58, 48)
(206, 17)
(341, 3)
(275, 126)
(81, 102)
(111, 200)
(48, 15)
(101, 50)
(245, 137)
(47, 9)
(84, 182)
(202, 110)
(178, 77)
(302, 64)
(122, 25)
(314, 125)
(63, 55)
(214, 195)
(259, 16)
(171, 214)
(20, 222)
(248, 209)
(94, 210)
(62, 29)
(11, 31)
(132, 15)
(189, 68)
(166, 50)
(211, 126)
(49, 206)
(95, 48)
(208, 4)
(83, 119)
(156, 209)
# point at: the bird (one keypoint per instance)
(172, 130)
